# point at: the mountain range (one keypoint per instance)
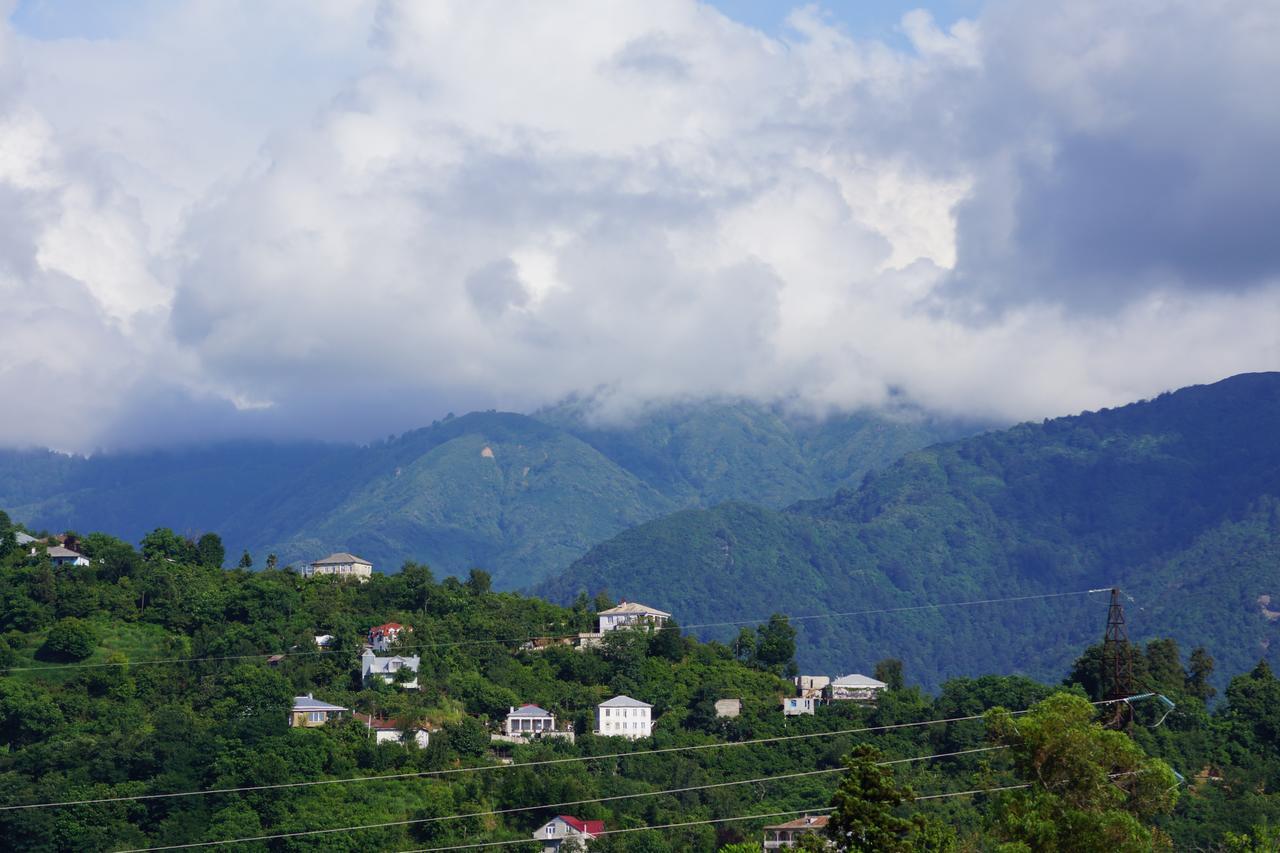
(521, 496)
(1175, 500)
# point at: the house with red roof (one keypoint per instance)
(382, 636)
(562, 828)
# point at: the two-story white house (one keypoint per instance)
(623, 716)
(381, 637)
(340, 564)
(562, 828)
(629, 614)
(372, 666)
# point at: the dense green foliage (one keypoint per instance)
(217, 718)
(521, 496)
(1176, 500)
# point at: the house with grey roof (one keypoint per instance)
(309, 712)
(625, 717)
(388, 669)
(340, 564)
(854, 688)
(63, 556)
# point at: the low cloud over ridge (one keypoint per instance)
(345, 218)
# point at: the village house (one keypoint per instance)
(785, 835)
(372, 666)
(625, 717)
(629, 614)
(61, 556)
(394, 731)
(309, 712)
(794, 706)
(811, 686)
(340, 564)
(528, 721)
(854, 688)
(562, 828)
(728, 707)
(382, 636)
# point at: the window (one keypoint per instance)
(316, 716)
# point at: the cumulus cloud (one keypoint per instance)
(450, 205)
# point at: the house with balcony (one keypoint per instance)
(854, 688)
(340, 564)
(785, 835)
(629, 614)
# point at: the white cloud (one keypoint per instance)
(425, 206)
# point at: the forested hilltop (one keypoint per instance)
(522, 496)
(1176, 500)
(156, 673)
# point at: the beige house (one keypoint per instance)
(309, 712)
(784, 835)
(341, 564)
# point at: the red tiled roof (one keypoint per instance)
(591, 827)
(385, 629)
(806, 822)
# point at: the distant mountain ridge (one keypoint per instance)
(1176, 499)
(521, 496)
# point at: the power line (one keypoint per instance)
(510, 640)
(486, 767)
(613, 798)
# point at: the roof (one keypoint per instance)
(67, 553)
(25, 538)
(857, 680)
(308, 703)
(385, 629)
(591, 827)
(528, 711)
(624, 702)
(389, 664)
(806, 822)
(383, 724)
(340, 558)
(632, 607)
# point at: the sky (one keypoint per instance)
(341, 219)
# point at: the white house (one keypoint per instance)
(325, 641)
(811, 685)
(340, 564)
(60, 556)
(854, 688)
(625, 717)
(372, 666)
(563, 827)
(309, 712)
(628, 614)
(528, 720)
(382, 636)
(785, 835)
(394, 731)
(794, 706)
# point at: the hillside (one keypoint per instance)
(1177, 500)
(521, 496)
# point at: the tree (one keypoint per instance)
(210, 552)
(272, 561)
(890, 672)
(1090, 788)
(478, 582)
(1199, 671)
(70, 639)
(776, 644)
(667, 643)
(864, 806)
(246, 561)
(163, 544)
(744, 646)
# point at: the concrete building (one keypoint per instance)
(625, 717)
(341, 565)
(811, 685)
(794, 706)
(728, 707)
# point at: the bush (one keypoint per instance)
(70, 639)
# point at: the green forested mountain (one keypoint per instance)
(1176, 500)
(141, 676)
(521, 496)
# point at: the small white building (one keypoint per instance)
(854, 688)
(625, 717)
(527, 721)
(629, 614)
(728, 707)
(811, 685)
(340, 564)
(372, 666)
(61, 556)
(395, 731)
(325, 641)
(562, 828)
(794, 706)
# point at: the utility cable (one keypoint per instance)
(613, 798)
(510, 640)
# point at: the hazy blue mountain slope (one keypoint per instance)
(1151, 496)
